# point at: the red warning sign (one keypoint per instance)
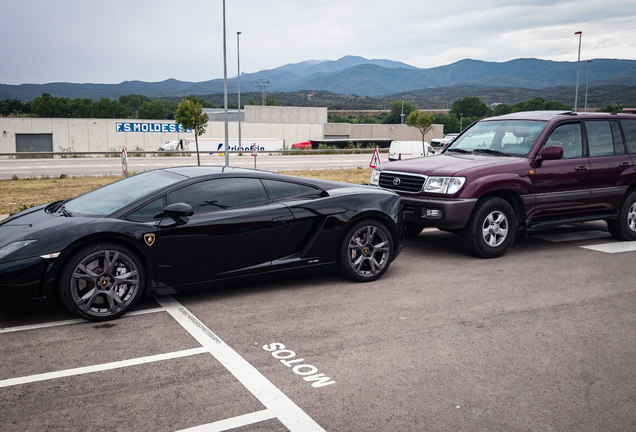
(375, 160)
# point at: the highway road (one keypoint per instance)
(72, 167)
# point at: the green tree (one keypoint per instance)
(190, 115)
(421, 120)
(133, 102)
(394, 116)
(470, 106)
(449, 121)
(153, 109)
(501, 109)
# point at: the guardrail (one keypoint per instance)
(135, 153)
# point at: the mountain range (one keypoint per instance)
(359, 76)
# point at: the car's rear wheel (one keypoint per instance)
(624, 228)
(101, 281)
(366, 251)
(491, 229)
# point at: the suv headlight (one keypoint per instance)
(375, 178)
(444, 185)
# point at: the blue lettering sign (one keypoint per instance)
(150, 127)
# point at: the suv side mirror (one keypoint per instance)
(178, 212)
(551, 153)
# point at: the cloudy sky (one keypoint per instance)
(110, 41)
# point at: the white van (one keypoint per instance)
(409, 149)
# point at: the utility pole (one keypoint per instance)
(578, 68)
(263, 84)
(238, 82)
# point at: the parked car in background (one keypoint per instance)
(179, 229)
(440, 144)
(399, 150)
(522, 171)
(173, 145)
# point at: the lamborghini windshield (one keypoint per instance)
(115, 196)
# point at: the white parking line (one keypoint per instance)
(233, 423)
(101, 367)
(269, 395)
(613, 247)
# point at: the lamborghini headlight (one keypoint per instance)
(12, 247)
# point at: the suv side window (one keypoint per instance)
(567, 136)
(220, 194)
(629, 129)
(619, 148)
(600, 141)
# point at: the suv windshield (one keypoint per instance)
(499, 137)
(115, 196)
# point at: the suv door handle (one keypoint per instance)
(580, 168)
(624, 165)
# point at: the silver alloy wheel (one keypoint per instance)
(368, 251)
(631, 217)
(104, 283)
(494, 230)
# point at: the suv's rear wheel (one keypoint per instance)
(624, 228)
(491, 229)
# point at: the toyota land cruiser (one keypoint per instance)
(519, 172)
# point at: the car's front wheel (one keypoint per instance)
(101, 281)
(624, 228)
(366, 251)
(491, 229)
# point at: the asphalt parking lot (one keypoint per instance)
(542, 339)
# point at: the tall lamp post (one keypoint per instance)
(578, 68)
(238, 83)
(587, 82)
(402, 115)
(227, 144)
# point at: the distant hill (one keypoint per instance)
(359, 76)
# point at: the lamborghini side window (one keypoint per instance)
(220, 194)
(281, 189)
(152, 210)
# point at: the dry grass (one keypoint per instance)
(16, 195)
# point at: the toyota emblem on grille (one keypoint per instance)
(396, 181)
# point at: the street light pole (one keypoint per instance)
(402, 115)
(238, 83)
(578, 68)
(227, 143)
(587, 82)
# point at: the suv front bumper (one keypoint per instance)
(447, 213)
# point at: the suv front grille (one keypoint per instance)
(400, 182)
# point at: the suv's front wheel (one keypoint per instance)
(624, 228)
(491, 229)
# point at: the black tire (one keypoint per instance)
(101, 281)
(491, 229)
(366, 251)
(624, 228)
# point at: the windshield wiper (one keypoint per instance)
(458, 150)
(490, 151)
(62, 210)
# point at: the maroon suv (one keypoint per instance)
(522, 171)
